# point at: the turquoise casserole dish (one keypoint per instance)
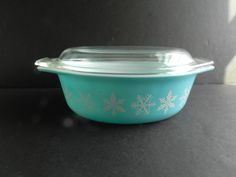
(125, 85)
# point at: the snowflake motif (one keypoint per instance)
(67, 93)
(143, 104)
(167, 103)
(114, 105)
(86, 101)
(184, 98)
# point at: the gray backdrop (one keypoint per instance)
(33, 29)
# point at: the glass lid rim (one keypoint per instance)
(121, 51)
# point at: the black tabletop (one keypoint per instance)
(41, 137)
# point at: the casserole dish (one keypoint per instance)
(125, 84)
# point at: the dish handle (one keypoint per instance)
(51, 65)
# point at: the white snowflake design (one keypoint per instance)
(86, 101)
(143, 104)
(67, 93)
(184, 98)
(167, 103)
(114, 105)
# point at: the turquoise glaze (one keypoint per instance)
(126, 100)
(125, 85)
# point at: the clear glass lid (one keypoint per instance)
(128, 60)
